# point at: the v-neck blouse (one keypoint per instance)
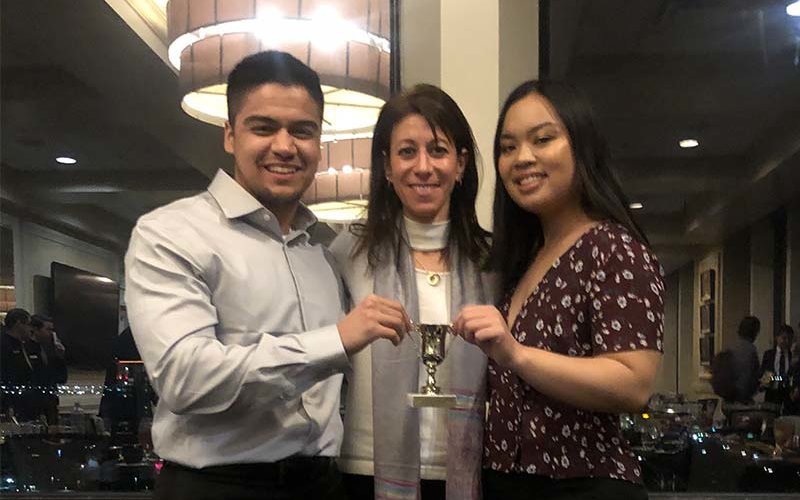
(604, 294)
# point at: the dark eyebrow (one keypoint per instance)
(306, 123)
(441, 139)
(530, 131)
(259, 119)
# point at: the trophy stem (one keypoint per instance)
(430, 386)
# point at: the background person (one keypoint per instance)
(21, 369)
(53, 363)
(775, 365)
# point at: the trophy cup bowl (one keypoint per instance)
(432, 352)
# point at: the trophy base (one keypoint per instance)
(432, 400)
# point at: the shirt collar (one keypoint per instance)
(236, 202)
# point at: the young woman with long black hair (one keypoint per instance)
(577, 338)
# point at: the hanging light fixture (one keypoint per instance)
(341, 186)
(345, 41)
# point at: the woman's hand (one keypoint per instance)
(486, 327)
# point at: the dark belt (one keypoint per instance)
(287, 469)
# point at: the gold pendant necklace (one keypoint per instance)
(433, 277)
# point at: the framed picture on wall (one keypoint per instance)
(707, 285)
(707, 319)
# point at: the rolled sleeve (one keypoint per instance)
(306, 358)
(327, 351)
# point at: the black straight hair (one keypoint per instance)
(38, 320)
(381, 231)
(517, 234)
(271, 66)
(785, 330)
(17, 315)
(749, 328)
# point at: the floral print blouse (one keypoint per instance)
(605, 294)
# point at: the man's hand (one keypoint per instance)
(766, 378)
(374, 318)
(60, 349)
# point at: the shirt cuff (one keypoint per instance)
(326, 349)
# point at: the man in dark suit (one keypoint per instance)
(53, 365)
(775, 366)
(20, 368)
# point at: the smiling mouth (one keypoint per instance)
(423, 188)
(530, 179)
(282, 169)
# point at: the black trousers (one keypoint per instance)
(360, 487)
(511, 486)
(290, 479)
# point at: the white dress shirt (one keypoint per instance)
(235, 323)
(777, 363)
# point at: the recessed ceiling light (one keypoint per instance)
(636, 206)
(66, 160)
(793, 9)
(688, 143)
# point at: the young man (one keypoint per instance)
(235, 312)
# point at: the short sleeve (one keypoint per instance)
(627, 297)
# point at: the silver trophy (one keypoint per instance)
(432, 353)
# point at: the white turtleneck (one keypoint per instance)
(427, 237)
(434, 307)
